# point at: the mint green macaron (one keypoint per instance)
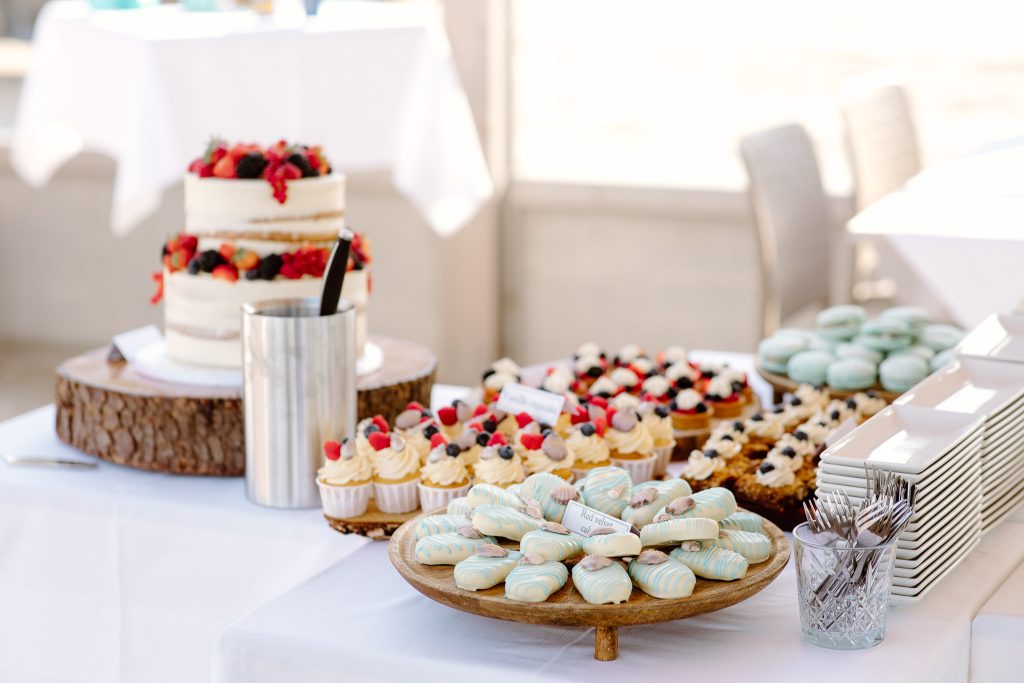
(840, 322)
(941, 359)
(885, 335)
(915, 317)
(919, 350)
(850, 350)
(900, 373)
(774, 352)
(849, 374)
(809, 367)
(939, 337)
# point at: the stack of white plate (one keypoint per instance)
(940, 452)
(992, 362)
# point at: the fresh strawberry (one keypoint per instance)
(498, 439)
(479, 410)
(599, 401)
(226, 271)
(438, 440)
(158, 278)
(381, 422)
(379, 440)
(245, 259)
(523, 419)
(579, 415)
(601, 425)
(291, 271)
(447, 416)
(610, 414)
(415, 405)
(225, 168)
(179, 259)
(531, 442)
(188, 242)
(227, 250)
(332, 449)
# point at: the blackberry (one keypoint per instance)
(302, 163)
(209, 260)
(453, 450)
(252, 274)
(251, 165)
(193, 266)
(482, 438)
(490, 426)
(270, 266)
(429, 431)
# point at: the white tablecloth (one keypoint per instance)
(359, 622)
(998, 632)
(120, 575)
(959, 226)
(374, 83)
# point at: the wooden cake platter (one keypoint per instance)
(109, 410)
(782, 384)
(566, 607)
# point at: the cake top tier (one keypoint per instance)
(277, 163)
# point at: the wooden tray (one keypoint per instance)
(567, 608)
(374, 524)
(782, 384)
(109, 410)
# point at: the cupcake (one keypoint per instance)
(625, 402)
(627, 354)
(453, 417)
(722, 395)
(587, 370)
(444, 477)
(763, 430)
(570, 409)
(501, 372)
(682, 375)
(631, 445)
(625, 378)
(657, 420)
(604, 387)
(396, 473)
(588, 349)
(417, 427)
(657, 388)
(547, 453)
(586, 441)
(735, 430)
(815, 397)
(368, 426)
(501, 466)
(689, 411)
(345, 481)
(643, 367)
(557, 380)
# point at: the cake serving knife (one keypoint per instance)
(46, 461)
(334, 277)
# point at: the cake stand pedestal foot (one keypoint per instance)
(606, 643)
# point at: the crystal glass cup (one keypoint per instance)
(843, 591)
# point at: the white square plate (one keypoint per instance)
(969, 385)
(999, 336)
(904, 595)
(970, 539)
(904, 439)
(941, 542)
(943, 466)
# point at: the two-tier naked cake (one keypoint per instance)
(259, 224)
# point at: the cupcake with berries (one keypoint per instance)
(587, 370)
(396, 473)
(658, 421)
(705, 469)
(689, 411)
(453, 417)
(604, 387)
(590, 450)
(368, 426)
(416, 426)
(549, 453)
(682, 376)
(657, 388)
(672, 355)
(723, 395)
(625, 378)
(627, 354)
(499, 465)
(345, 481)
(502, 372)
(631, 445)
(444, 476)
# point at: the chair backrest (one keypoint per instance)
(793, 222)
(881, 138)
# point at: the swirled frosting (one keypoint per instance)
(625, 401)
(674, 354)
(815, 431)
(538, 461)
(726, 448)
(505, 366)
(681, 369)
(700, 467)
(660, 429)
(816, 398)
(782, 461)
(493, 469)
(395, 465)
(687, 399)
(720, 386)
(444, 470)
(628, 353)
(588, 449)
(769, 429)
(774, 478)
(805, 448)
(604, 385)
(346, 471)
(497, 381)
(869, 404)
(636, 440)
(656, 386)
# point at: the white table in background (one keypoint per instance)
(998, 630)
(120, 575)
(959, 225)
(374, 83)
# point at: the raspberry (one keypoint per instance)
(381, 423)
(523, 419)
(479, 410)
(291, 271)
(415, 405)
(209, 259)
(379, 440)
(332, 449)
(447, 416)
(531, 442)
(497, 439)
(437, 440)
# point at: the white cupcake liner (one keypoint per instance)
(641, 469)
(397, 498)
(664, 454)
(342, 502)
(433, 498)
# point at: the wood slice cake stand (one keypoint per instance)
(374, 524)
(782, 384)
(109, 410)
(566, 607)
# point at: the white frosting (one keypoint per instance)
(700, 467)
(776, 478)
(556, 383)
(315, 206)
(643, 364)
(674, 354)
(604, 385)
(497, 380)
(505, 366)
(628, 353)
(625, 401)
(682, 369)
(781, 461)
(687, 399)
(655, 386)
(812, 397)
(395, 465)
(584, 363)
(203, 314)
(720, 386)
(624, 377)
(588, 349)
(726, 448)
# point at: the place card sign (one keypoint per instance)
(847, 426)
(126, 346)
(583, 520)
(542, 406)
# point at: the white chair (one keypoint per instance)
(793, 223)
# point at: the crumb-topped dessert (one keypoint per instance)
(259, 225)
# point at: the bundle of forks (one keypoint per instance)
(872, 526)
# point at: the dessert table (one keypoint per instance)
(148, 87)
(999, 629)
(963, 218)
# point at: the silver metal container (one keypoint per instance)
(299, 373)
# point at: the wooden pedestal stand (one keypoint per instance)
(110, 411)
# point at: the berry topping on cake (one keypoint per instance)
(497, 439)
(479, 410)
(379, 440)
(332, 449)
(588, 429)
(277, 164)
(453, 450)
(381, 423)
(523, 419)
(226, 271)
(531, 442)
(447, 416)
(483, 438)
(438, 440)
(506, 452)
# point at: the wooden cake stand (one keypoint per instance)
(566, 607)
(782, 384)
(109, 410)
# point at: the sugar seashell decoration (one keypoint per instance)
(602, 531)
(466, 440)
(595, 562)
(531, 558)
(663, 518)
(463, 411)
(555, 528)
(680, 505)
(491, 550)
(644, 496)
(554, 447)
(468, 532)
(563, 493)
(651, 556)
(624, 420)
(397, 443)
(617, 492)
(408, 419)
(691, 546)
(348, 450)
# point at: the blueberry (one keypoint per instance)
(737, 426)
(835, 414)
(779, 409)
(370, 429)
(605, 395)
(252, 274)
(490, 426)
(544, 427)
(766, 467)
(801, 435)
(453, 450)
(872, 393)
(851, 403)
(727, 437)
(430, 430)
(757, 417)
(795, 401)
(193, 266)
(707, 374)
(711, 453)
(789, 452)
(672, 392)
(506, 452)
(661, 411)
(701, 408)
(594, 371)
(482, 438)
(588, 429)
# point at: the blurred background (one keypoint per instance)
(621, 211)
